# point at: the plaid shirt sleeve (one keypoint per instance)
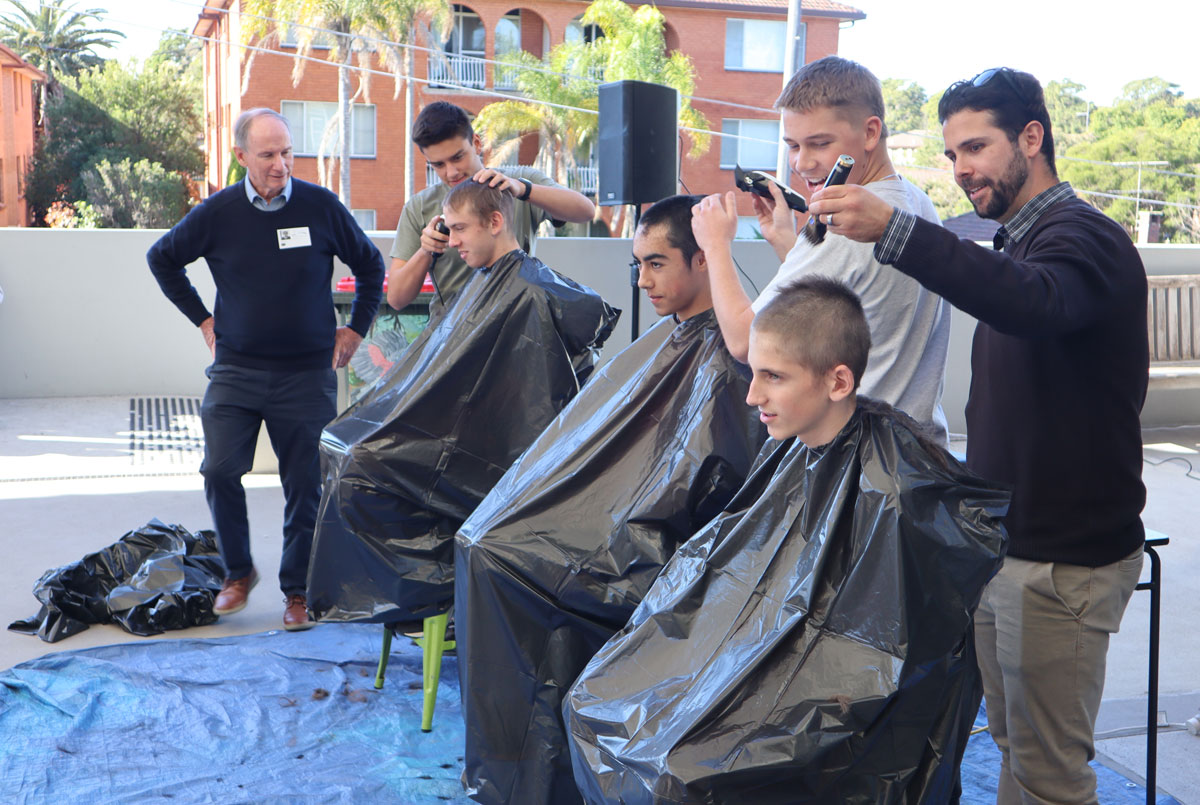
(895, 237)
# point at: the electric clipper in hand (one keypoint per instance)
(757, 182)
(814, 230)
(440, 226)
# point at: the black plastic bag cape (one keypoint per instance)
(155, 578)
(556, 558)
(812, 644)
(406, 464)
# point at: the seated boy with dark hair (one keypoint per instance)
(813, 642)
(407, 463)
(556, 558)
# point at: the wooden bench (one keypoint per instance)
(1173, 323)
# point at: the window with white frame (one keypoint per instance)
(753, 144)
(365, 219)
(462, 61)
(308, 120)
(755, 45)
(508, 42)
(467, 35)
(585, 34)
(322, 40)
(747, 228)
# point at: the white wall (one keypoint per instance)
(83, 316)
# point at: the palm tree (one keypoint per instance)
(55, 38)
(354, 30)
(563, 79)
(633, 48)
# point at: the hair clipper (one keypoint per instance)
(758, 183)
(814, 230)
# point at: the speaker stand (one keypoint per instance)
(635, 303)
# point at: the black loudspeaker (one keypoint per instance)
(639, 142)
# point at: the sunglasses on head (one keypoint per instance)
(1005, 74)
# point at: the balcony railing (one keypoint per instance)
(505, 76)
(456, 69)
(583, 179)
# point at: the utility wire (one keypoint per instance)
(432, 82)
(441, 52)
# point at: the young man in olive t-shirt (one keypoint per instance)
(450, 145)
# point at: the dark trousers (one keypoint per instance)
(295, 405)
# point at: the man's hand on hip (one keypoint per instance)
(210, 337)
(856, 212)
(345, 342)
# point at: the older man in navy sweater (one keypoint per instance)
(269, 242)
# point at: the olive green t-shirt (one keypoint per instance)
(450, 272)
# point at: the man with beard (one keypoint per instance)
(1059, 367)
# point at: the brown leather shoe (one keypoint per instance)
(234, 594)
(295, 617)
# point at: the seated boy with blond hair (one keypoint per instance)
(406, 464)
(812, 643)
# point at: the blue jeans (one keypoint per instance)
(296, 406)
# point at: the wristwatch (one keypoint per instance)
(528, 189)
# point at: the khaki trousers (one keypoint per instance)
(1041, 633)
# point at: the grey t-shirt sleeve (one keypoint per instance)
(408, 232)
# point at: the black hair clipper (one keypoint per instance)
(814, 230)
(440, 226)
(757, 182)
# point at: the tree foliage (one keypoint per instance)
(54, 37)
(355, 31)
(1099, 149)
(633, 48)
(903, 102)
(141, 195)
(113, 113)
(1070, 113)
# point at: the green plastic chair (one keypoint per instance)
(433, 645)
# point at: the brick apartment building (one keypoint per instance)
(18, 109)
(737, 48)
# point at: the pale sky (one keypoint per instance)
(932, 42)
(1100, 45)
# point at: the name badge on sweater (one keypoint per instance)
(294, 238)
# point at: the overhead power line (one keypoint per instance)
(440, 52)
(438, 82)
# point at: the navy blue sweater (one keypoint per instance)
(273, 309)
(1058, 376)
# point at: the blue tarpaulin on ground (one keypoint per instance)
(269, 718)
(240, 719)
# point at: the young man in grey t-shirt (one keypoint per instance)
(450, 145)
(834, 106)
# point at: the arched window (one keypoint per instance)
(463, 63)
(508, 41)
(578, 32)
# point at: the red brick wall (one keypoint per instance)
(16, 144)
(378, 183)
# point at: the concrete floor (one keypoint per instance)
(76, 474)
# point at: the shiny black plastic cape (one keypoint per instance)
(406, 464)
(154, 578)
(556, 558)
(812, 644)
